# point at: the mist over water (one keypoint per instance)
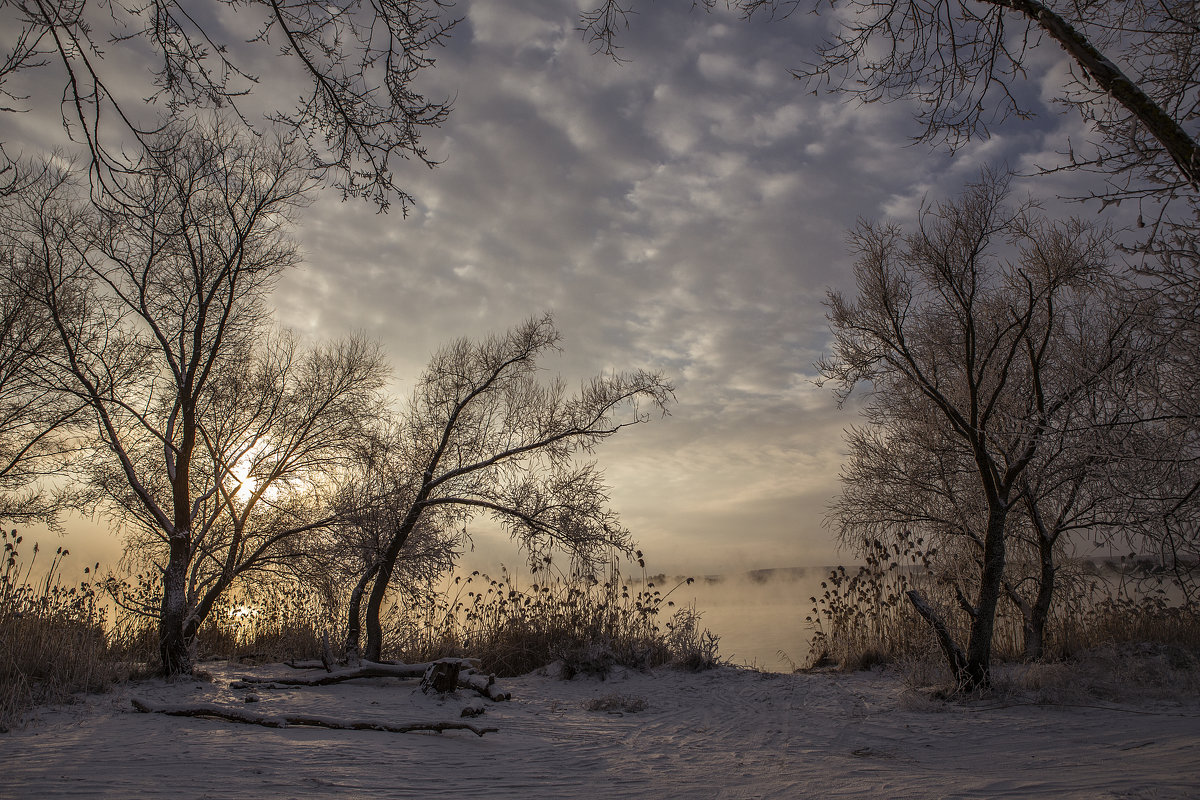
(758, 614)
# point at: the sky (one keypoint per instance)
(686, 211)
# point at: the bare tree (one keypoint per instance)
(279, 424)
(358, 110)
(905, 474)
(371, 500)
(945, 324)
(1069, 495)
(151, 299)
(1159, 480)
(1156, 462)
(278, 432)
(482, 435)
(35, 420)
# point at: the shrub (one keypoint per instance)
(617, 704)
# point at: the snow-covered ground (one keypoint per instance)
(726, 733)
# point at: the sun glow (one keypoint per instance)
(242, 612)
(242, 480)
(240, 473)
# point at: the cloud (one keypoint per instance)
(684, 210)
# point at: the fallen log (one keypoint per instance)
(484, 684)
(367, 670)
(468, 676)
(286, 720)
(954, 654)
(466, 663)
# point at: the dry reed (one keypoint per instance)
(52, 638)
(585, 623)
(863, 618)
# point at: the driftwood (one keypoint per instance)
(349, 674)
(286, 720)
(468, 676)
(483, 683)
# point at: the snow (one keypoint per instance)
(725, 733)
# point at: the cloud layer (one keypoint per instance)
(684, 211)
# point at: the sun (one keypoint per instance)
(241, 470)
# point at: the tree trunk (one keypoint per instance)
(174, 645)
(374, 649)
(383, 576)
(1022, 606)
(1035, 625)
(354, 613)
(976, 673)
(1035, 616)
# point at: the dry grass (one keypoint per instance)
(273, 620)
(57, 640)
(863, 617)
(1128, 619)
(587, 624)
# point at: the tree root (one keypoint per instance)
(287, 720)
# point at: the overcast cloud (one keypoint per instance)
(683, 211)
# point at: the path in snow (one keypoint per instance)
(726, 733)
